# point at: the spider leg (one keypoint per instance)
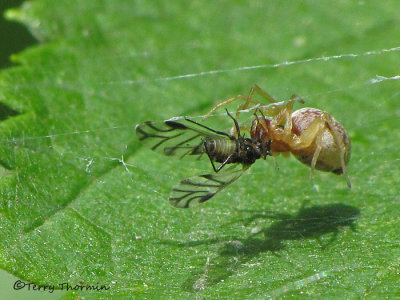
(316, 152)
(239, 97)
(249, 99)
(314, 133)
(339, 142)
(285, 115)
(254, 89)
(262, 93)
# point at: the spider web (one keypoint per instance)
(380, 158)
(374, 79)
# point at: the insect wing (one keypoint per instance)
(196, 190)
(173, 138)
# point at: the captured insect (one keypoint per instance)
(313, 136)
(187, 137)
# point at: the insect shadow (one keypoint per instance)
(308, 223)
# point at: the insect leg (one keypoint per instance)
(226, 161)
(212, 162)
(209, 156)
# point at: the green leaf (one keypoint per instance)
(83, 202)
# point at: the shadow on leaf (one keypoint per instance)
(309, 223)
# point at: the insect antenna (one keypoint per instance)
(210, 129)
(234, 121)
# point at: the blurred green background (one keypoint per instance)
(14, 36)
(83, 202)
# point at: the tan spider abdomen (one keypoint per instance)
(315, 127)
(313, 136)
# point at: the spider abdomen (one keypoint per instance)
(309, 121)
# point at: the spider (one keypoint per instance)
(313, 136)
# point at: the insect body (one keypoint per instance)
(313, 136)
(175, 138)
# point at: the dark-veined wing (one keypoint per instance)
(173, 138)
(196, 190)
